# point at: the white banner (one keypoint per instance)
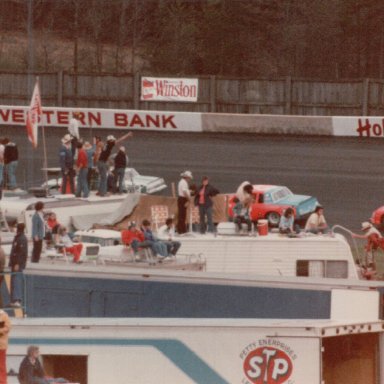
(107, 118)
(168, 89)
(358, 126)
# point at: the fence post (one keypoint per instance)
(212, 93)
(365, 100)
(60, 88)
(136, 91)
(288, 95)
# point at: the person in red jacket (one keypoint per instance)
(134, 237)
(82, 167)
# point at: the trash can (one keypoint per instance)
(262, 227)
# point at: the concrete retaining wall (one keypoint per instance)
(202, 122)
(267, 124)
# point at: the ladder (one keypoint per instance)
(3, 222)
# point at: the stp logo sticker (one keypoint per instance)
(267, 365)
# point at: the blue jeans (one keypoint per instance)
(159, 248)
(11, 172)
(82, 183)
(119, 177)
(103, 171)
(172, 246)
(136, 244)
(206, 211)
(17, 282)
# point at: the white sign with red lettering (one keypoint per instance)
(358, 126)
(107, 118)
(168, 89)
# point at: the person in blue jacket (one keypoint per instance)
(38, 231)
(67, 165)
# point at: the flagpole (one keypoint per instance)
(45, 163)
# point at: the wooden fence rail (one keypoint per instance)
(285, 96)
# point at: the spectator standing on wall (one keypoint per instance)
(102, 164)
(203, 200)
(73, 129)
(17, 263)
(5, 327)
(66, 165)
(11, 160)
(121, 162)
(38, 231)
(82, 169)
(90, 151)
(184, 195)
(99, 145)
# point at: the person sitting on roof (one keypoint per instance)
(287, 223)
(316, 222)
(159, 248)
(69, 245)
(52, 227)
(241, 214)
(166, 233)
(134, 237)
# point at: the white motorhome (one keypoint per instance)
(204, 351)
(274, 254)
(270, 255)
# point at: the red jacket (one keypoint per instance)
(82, 159)
(127, 236)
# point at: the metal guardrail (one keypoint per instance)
(353, 240)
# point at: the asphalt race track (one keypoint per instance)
(345, 174)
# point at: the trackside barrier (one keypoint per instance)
(172, 121)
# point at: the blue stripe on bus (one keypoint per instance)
(177, 352)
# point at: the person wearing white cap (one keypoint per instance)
(184, 196)
(102, 163)
(374, 241)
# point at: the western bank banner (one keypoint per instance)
(169, 89)
(106, 118)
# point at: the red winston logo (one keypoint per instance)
(175, 89)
